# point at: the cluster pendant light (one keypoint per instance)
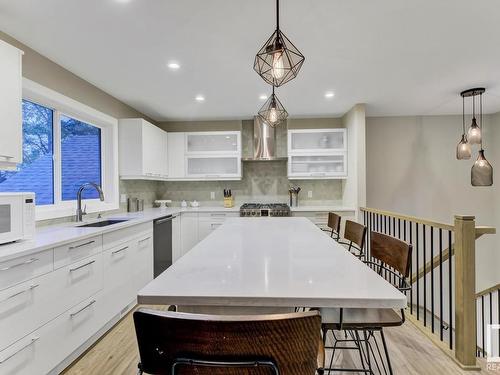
(277, 62)
(482, 171)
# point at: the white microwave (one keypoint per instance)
(17, 216)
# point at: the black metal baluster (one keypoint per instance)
(399, 228)
(418, 271)
(491, 320)
(450, 325)
(425, 274)
(482, 324)
(432, 278)
(441, 284)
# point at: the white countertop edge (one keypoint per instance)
(270, 302)
(322, 209)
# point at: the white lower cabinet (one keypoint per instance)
(47, 318)
(176, 238)
(41, 351)
(189, 231)
(210, 221)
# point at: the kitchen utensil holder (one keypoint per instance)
(229, 202)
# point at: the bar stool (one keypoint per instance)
(181, 343)
(355, 234)
(388, 251)
(333, 225)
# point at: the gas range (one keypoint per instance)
(264, 209)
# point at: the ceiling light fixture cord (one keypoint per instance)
(277, 14)
(481, 118)
(463, 114)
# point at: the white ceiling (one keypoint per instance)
(400, 57)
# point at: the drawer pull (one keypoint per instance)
(119, 250)
(83, 308)
(215, 226)
(20, 349)
(29, 261)
(7, 156)
(20, 292)
(81, 245)
(83, 265)
(144, 239)
(221, 214)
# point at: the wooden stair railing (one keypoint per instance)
(452, 287)
(488, 308)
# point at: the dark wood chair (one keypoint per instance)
(333, 225)
(180, 343)
(393, 257)
(355, 234)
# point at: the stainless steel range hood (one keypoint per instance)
(264, 142)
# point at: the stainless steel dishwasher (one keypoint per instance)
(162, 235)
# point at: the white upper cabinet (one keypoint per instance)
(213, 143)
(11, 137)
(317, 153)
(143, 150)
(213, 155)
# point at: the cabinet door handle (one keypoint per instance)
(82, 266)
(20, 292)
(72, 315)
(119, 250)
(7, 156)
(144, 239)
(29, 261)
(81, 245)
(19, 350)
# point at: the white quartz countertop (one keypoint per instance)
(270, 262)
(57, 235)
(48, 237)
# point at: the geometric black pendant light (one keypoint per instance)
(273, 112)
(278, 61)
(481, 171)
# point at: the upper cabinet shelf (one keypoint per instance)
(11, 138)
(317, 154)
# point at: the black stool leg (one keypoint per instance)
(386, 352)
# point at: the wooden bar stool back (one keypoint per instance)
(181, 343)
(355, 234)
(334, 225)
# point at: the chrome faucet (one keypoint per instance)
(79, 212)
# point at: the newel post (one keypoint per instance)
(465, 290)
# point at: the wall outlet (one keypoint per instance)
(212, 195)
(123, 198)
(310, 194)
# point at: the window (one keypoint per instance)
(36, 173)
(80, 157)
(65, 144)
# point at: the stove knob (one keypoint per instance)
(253, 213)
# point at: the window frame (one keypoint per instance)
(63, 105)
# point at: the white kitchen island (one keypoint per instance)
(265, 263)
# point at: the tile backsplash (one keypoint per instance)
(261, 182)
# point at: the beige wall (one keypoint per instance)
(412, 169)
(49, 74)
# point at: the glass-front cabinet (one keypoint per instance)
(213, 155)
(317, 153)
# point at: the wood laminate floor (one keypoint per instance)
(411, 353)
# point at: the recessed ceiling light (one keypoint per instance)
(329, 94)
(200, 98)
(173, 65)
(263, 97)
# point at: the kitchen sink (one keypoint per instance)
(103, 223)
